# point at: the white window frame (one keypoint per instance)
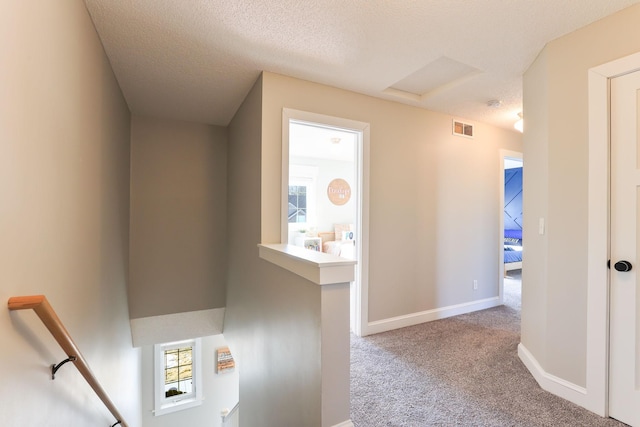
(306, 176)
(164, 405)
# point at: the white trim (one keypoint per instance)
(598, 244)
(361, 319)
(551, 383)
(319, 267)
(621, 66)
(164, 405)
(347, 423)
(431, 315)
(423, 98)
(226, 414)
(284, 184)
(361, 308)
(598, 231)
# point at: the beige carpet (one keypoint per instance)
(461, 371)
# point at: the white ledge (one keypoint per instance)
(319, 267)
(176, 326)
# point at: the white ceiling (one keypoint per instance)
(316, 142)
(196, 60)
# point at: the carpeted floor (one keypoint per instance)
(461, 371)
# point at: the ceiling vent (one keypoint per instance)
(462, 129)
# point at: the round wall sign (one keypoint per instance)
(339, 191)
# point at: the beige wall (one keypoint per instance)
(178, 217)
(64, 217)
(434, 197)
(535, 189)
(272, 319)
(557, 138)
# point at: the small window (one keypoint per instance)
(177, 376)
(297, 204)
(301, 198)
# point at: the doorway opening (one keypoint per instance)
(325, 194)
(511, 243)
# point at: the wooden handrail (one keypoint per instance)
(45, 312)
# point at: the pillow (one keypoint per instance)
(339, 228)
(513, 237)
(348, 235)
(512, 241)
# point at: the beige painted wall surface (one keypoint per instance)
(178, 217)
(535, 188)
(64, 217)
(568, 61)
(272, 320)
(434, 197)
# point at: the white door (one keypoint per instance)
(624, 350)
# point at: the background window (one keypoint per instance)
(178, 371)
(178, 383)
(297, 204)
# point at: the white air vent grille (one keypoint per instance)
(462, 129)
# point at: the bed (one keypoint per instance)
(512, 250)
(340, 241)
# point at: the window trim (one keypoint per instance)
(306, 209)
(162, 405)
(306, 176)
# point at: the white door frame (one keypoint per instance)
(596, 398)
(360, 304)
(504, 154)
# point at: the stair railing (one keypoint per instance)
(230, 417)
(45, 312)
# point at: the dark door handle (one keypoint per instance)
(623, 266)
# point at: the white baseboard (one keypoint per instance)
(554, 385)
(347, 423)
(429, 315)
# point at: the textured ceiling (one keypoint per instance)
(195, 60)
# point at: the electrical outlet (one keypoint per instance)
(475, 285)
